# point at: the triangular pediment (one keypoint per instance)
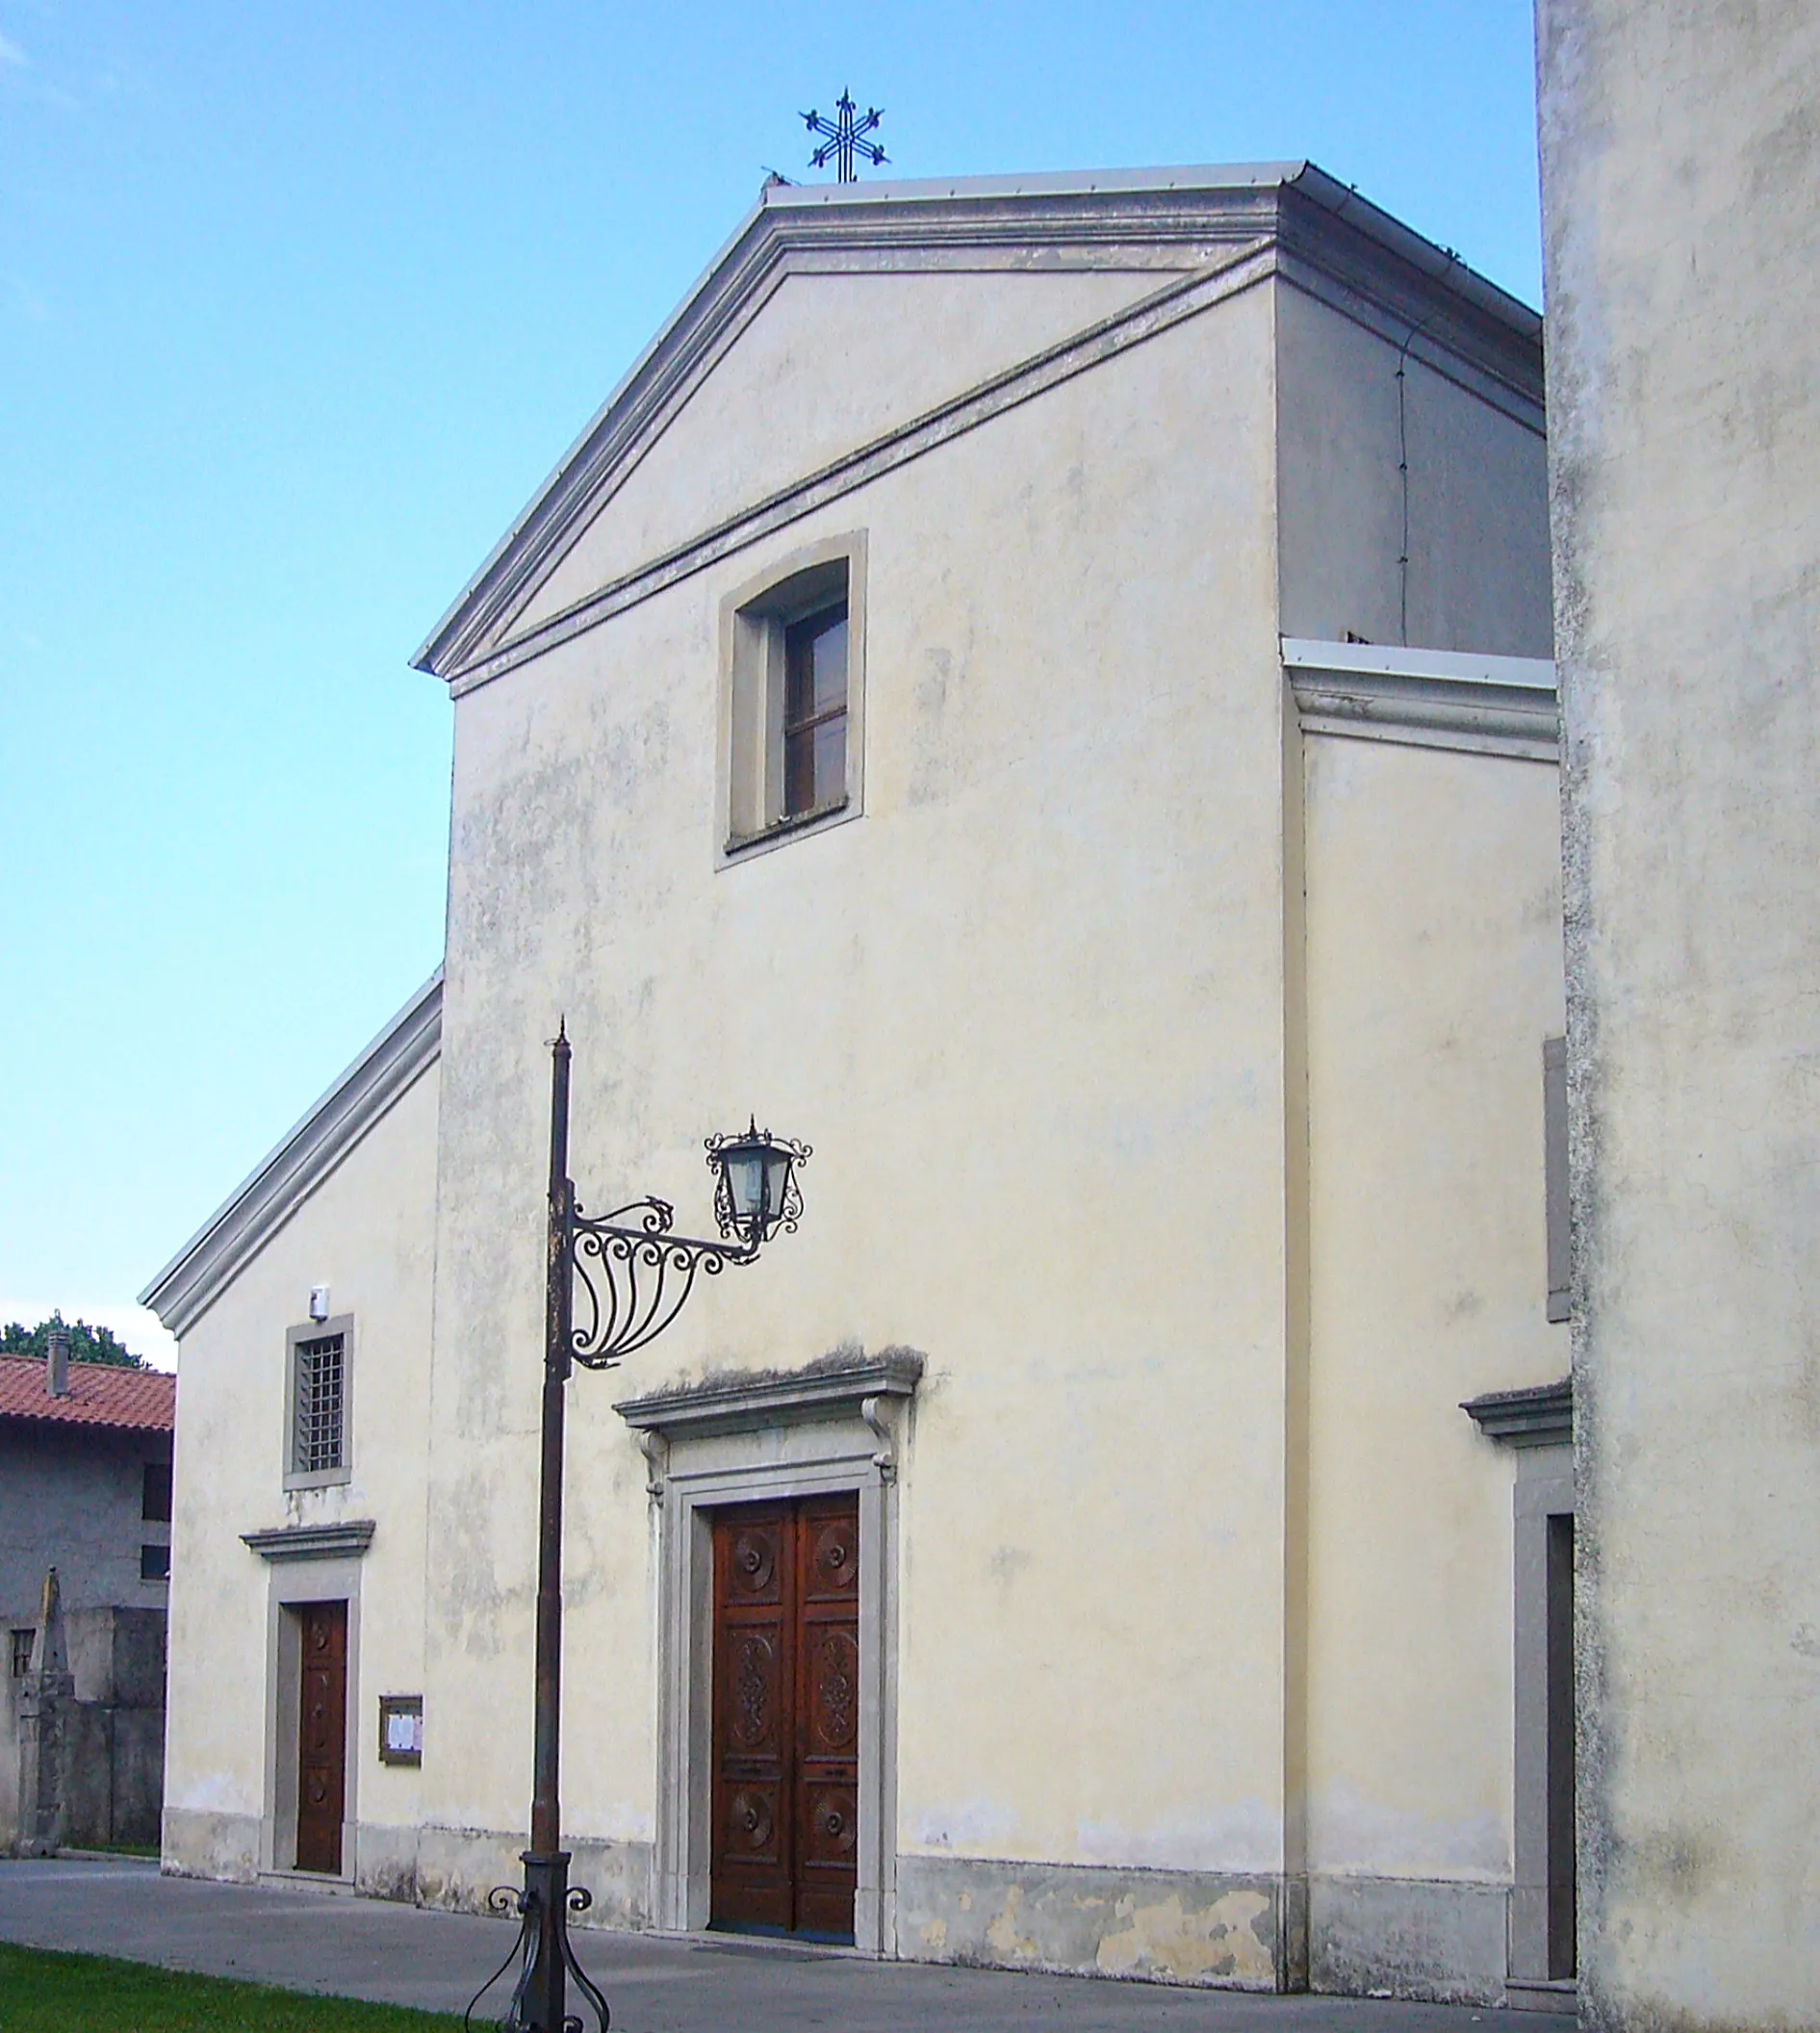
(839, 319)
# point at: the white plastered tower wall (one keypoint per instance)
(1680, 183)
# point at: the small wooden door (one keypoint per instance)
(322, 1737)
(787, 1717)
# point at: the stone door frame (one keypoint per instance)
(308, 1564)
(1537, 1421)
(832, 1428)
(1544, 1492)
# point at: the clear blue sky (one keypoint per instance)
(297, 305)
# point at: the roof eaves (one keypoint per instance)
(273, 1191)
(1440, 264)
(12, 1415)
(1062, 183)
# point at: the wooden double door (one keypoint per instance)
(787, 1717)
(321, 1736)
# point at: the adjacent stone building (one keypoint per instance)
(85, 1557)
(1040, 688)
(1680, 153)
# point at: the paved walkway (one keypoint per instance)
(311, 1941)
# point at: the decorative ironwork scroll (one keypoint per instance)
(633, 1276)
(522, 2015)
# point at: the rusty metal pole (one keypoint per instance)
(540, 2005)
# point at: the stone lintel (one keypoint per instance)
(1539, 1416)
(312, 1542)
(836, 1386)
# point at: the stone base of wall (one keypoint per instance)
(453, 1869)
(204, 1845)
(1440, 1941)
(456, 1868)
(1170, 1926)
(1435, 1940)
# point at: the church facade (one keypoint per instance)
(1040, 689)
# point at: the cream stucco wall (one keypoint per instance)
(1477, 578)
(367, 1231)
(1002, 1082)
(828, 363)
(1681, 166)
(1434, 973)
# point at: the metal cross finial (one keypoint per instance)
(846, 138)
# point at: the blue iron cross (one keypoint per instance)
(846, 138)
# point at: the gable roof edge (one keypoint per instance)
(1295, 204)
(458, 624)
(382, 1075)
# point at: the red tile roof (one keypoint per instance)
(100, 1394)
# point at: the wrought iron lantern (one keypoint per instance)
(757, 1194)
(615, 1283)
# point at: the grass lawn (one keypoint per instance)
(42, 1993)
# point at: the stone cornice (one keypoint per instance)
(195, 1275)
(1540, 1416)
(838, 1386)
(311, 1542)
(1501, 706)
(1188, 220)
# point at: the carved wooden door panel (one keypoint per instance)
(786, 1716)
(322, 1737)
(755, 1587)
(828, 1713)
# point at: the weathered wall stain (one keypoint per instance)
(1226, 1939)
(1180, 1928)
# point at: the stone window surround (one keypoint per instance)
(309, 1564)
(750, 743)
(294, 1477)
(831, 1427)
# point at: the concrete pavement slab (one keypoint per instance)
(308, 1939)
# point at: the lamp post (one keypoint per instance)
(634, 1277)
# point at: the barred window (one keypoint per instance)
(319, 1381)
(22, 1653)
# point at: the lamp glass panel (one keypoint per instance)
(745, 1178)
(777, 1165)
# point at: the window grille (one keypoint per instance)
(319, 1407)
(22, 1653)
